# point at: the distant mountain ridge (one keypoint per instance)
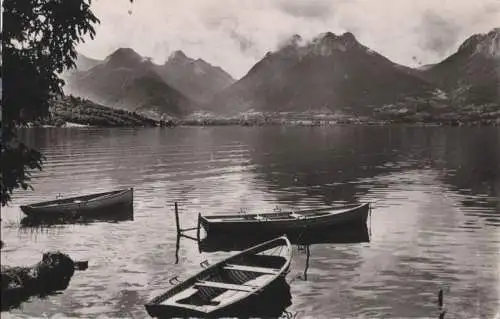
(332, 72)
(129, 81)
(196, 78)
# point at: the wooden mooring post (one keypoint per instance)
(198, 228)
(442, 310)
(180, 231)
(176, 210)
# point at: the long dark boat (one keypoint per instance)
(284, 222)
(228, 285)
(79, 206)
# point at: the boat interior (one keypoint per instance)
(289, 215)
(227, 282)
(271, 216)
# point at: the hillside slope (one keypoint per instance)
(196, 79)
(127, 81)
(472, 74)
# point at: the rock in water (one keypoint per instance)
(51, 274)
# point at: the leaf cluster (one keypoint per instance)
(39, 39)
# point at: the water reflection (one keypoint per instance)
(303, 241)
(435, 222)
(339, 166)
(12, 299)
(333, 235)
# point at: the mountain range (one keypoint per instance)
(129, 81)
(330, 74)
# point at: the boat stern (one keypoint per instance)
(203, 222)
(26, 209)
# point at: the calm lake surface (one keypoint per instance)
(435, 221)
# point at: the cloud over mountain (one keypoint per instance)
(235, 34)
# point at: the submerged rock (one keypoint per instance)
(51, 274)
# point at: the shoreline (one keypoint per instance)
(72, 112)
(277, 122)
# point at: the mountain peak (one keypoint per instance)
(484, 43)
(295, 40)
(331, 38)
(328, 36)
(290, 43)
(327, 43)
(123, 56)
(179, 56)
(194, 77)
(348, 37)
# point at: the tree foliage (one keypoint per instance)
(39, 39)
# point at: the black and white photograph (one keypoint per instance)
(291, 159)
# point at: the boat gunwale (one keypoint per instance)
(98, 196)
(216, 219)
(191, 280)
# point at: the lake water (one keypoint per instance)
(435, 221)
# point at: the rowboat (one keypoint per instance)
(285, 222)
(227, 285)
(80, 206)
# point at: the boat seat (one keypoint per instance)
(182, 299)
(262, 270)
(226, 286)
(179, 297)
(229, 295)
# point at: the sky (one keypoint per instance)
(235, 34)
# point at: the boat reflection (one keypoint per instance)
(109, 215)
(359, 234)
(303, 241)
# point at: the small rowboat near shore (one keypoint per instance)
(285, 222)
(228, 285)
(80, 206)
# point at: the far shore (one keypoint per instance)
(280, 122)
(70, 112)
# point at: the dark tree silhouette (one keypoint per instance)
(38, 43)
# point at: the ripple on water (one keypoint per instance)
(430, 229)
